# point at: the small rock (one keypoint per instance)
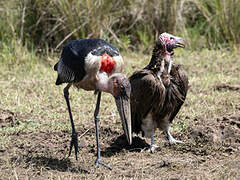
(163, 163)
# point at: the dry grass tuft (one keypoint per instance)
(35, 138)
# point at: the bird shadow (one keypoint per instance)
(120, 144)
(62, 165)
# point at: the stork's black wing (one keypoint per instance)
(71, 63)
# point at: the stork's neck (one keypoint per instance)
(102, 83)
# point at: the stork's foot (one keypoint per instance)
(100, 162)
(153, 148)
(74, 143)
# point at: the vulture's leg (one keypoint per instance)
(170, 138)
(153, 146)
(74, 141)
(96, 119)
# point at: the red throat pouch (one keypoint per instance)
(107, 63)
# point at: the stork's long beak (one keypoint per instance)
(123, 106)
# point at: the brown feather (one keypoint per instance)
(156, 95)
(163, 98)
(146, 91)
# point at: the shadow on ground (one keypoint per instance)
(62, 165)
(120, 143)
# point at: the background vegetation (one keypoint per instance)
(34, 125)
(129, 24)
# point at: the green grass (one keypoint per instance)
(28, 89)
(220, 21)
(209, 23)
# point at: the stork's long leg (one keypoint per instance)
(170, 138)
(74, 141)
(96, 119)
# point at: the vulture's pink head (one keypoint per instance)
(169, 42)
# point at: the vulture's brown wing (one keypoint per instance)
(177, 92)
(147, 91)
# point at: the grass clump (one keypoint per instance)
(220, 21)
(127, 24)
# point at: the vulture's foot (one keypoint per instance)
(74, 143)
(153, 148)
(100, 162)
(171, 139)
(174, 141)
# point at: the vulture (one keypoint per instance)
(158, 91)
(95, 65)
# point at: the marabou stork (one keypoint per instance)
(94, 64)
(158, 91)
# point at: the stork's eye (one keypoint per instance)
(118, 83)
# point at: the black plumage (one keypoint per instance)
(73, 57)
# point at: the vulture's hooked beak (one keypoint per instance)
(180, 42)
(123, 105)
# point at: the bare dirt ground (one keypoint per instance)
(35, 131)
(211, 149)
